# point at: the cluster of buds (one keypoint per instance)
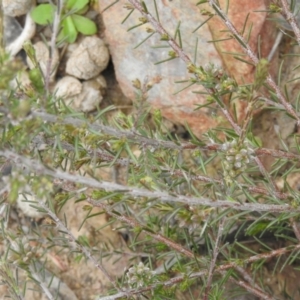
(193, 217)
(237, 157)
(139, 276)
(212, 76)
(22, 251)
(214, 71)
(226, 85)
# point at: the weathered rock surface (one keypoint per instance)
(133, 63)
(85, 96)
(68, 87)
(12, 29)
(16, 8)
(89, 59)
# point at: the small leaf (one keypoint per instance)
(69, 32)
(257, 228)
(76, 5)
(82, 11)
(84, 25)
(69, 4)
(43, 14)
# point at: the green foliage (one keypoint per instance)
(43, 14)
(72, 21)
(198, 214)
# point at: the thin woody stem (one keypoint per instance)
(250, 53)
(138, 192)
(219, 269)
(290, 17)
(135, 224)
(214, 259)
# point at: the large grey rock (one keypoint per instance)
(138, 63)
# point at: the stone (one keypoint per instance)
(85, 96)
(15, 36)
(42, 56)
(15, 8)
(131, 63)
(89, 59)
(68, 87)
(92, 94)
(12, 29)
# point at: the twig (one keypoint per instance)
(290, 17)
(219, 269)
(136, 138)
(42, 284)
(254, 290)
(295, 226)
(214, 259)
(277, 153)
(179, 51)
(124, 162)
(138, 192)
(112, 131)
(55, 30)
(135, 224)
(247, 278)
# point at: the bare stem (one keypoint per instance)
(254, 290)
(290, 17)
(55, 31)
(41, 282)
(138, 192)
(135, 224)
(214, 259)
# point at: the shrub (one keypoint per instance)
(203, 218)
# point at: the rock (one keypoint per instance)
(42, 56)
(85, 96)
(16, 8)
(89, 59)
(92, 94)
(138, 63)
(68, 87)
(12, 29)
(15, 36)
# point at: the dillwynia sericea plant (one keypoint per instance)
(201, 218)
